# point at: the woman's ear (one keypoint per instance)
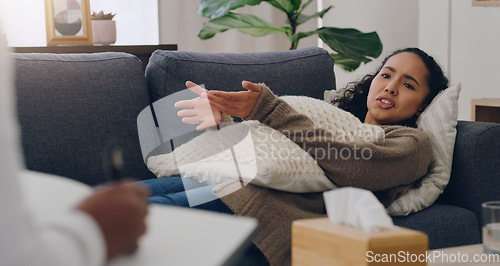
(421, 109)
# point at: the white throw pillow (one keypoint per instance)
(264, 156)
(342, 124)
(439, 119)
(255, 152)
(330, 95)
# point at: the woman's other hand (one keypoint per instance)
(198, 110)
(120, 210)
(240, 103)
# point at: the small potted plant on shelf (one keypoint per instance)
(103, 28)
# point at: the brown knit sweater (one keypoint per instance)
(394, 166)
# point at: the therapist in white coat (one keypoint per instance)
(103, 226)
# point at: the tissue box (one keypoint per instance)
(321, 242)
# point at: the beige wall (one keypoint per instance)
(475, 53)
(179, 23)
(472, 49)
(434, 34)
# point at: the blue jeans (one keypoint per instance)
(183, 192)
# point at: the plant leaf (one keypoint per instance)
(300, 35)
(287, 6)
(217, 8)
(305, 5)
(352, 43)
(296, 4)
(304, 18)
(348, 64)
(248, 24)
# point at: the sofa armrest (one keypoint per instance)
(475, 175)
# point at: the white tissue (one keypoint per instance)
(357, 208)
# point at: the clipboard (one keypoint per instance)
(175, 236)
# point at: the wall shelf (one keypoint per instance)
(486, 110)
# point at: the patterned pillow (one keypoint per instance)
(250, 150)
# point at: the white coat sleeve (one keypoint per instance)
(74, 238)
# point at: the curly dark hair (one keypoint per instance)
(355, 94)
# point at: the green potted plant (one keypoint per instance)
(351, 46)
(103, 28)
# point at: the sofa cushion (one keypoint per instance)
(71, 105)
(446, 225)
(475, 175)
(307, 71)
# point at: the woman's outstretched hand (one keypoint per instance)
(198, 110)
(240, 103)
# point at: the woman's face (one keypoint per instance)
(398, 91)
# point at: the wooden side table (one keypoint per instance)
(486, 110)
(143, 52)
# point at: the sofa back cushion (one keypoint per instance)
(307, 71)
(475, 175)
(71, 105)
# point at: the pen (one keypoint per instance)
(113, 161)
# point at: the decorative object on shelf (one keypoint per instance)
(103, 28)
(486, 2)
(352, 47)
(68, 22)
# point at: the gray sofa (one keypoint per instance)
(70, 106)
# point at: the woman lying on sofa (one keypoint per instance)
(392, 98)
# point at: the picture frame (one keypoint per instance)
(68, 22)
(485, 2)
